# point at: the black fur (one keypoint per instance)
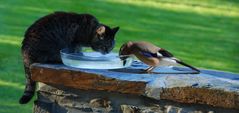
(48, 35)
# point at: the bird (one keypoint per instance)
(151, 55)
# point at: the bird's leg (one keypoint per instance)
(150, 69)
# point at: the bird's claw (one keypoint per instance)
(144, 71)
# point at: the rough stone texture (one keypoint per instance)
(209, 87)
(55, 74)
(201, 96)
(60, 99)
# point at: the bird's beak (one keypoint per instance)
(123, 57)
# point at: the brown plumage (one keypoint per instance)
(151, 55)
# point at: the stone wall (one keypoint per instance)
(130, 90)
(60, 99)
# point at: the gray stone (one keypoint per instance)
(60, 99)
(209, 87)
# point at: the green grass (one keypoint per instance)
(203, 33)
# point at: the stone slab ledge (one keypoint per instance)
(209, 87)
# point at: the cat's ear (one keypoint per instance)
(100, 30)
(114, 30)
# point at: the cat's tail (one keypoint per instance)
(30, 84)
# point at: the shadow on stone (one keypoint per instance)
(132, 71)
(142, 71)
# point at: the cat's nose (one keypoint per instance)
(106, 50)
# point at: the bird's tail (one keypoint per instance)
(187, 65)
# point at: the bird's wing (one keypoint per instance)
(145, 47)
(164, 53)
(150, 50)
(148, 54)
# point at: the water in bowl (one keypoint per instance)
(95, 60)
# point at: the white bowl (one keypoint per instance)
(95, 60)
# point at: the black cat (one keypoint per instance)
(48, 35)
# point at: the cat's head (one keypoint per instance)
(104, 40)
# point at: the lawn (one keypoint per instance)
(203, 33)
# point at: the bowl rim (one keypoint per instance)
(90, 57)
